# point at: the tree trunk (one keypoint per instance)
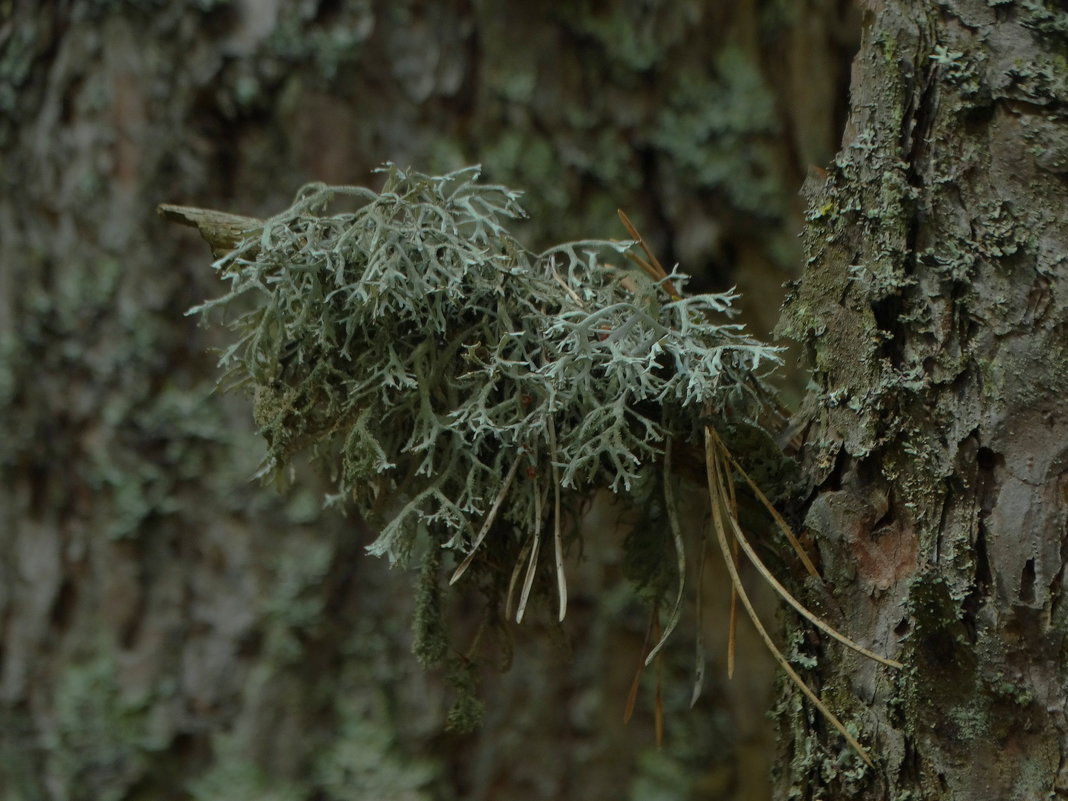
(935, 309)
(168, 629)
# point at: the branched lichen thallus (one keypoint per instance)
(469, 395)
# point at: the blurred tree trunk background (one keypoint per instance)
(171, 630)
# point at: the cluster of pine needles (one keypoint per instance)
(721, 468)
(468, 396)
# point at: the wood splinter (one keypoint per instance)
(221, 230)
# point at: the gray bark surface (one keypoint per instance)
(935, 308)
(169, 630)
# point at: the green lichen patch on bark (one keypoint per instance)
(935, 305)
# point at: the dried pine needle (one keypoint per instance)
(652, 266)
(769, 577)
(635, 684)
(532, 566)
(517, 568)
(784, 527)
(558, 537)
(719, 500)
(699, 636)
(672, 511)
(488, 523)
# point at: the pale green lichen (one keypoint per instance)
(295, 607)
(418, 342)
(100, 742)
(636, 36)
(363, 760)
(16, 59)
(718, 131)
(66, 370)
(431, 644)
(453, 382)
(1045, 18)
(235, 777)
(299, 37)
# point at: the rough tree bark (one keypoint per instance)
(935, 308)
(168, 629)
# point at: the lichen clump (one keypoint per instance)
(462, 389)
